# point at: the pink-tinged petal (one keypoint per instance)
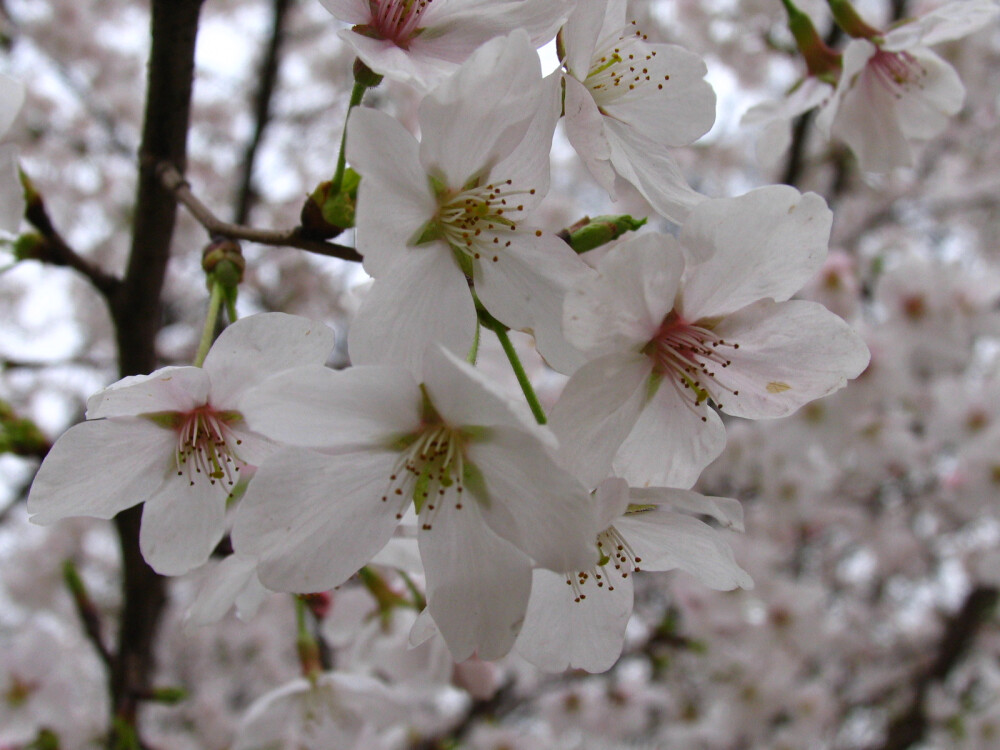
(597, 410)
(666, 541)
(338, 411)
(349, 11)
(767, 243)
(862, 113)
(651, 169)
(532, 502)
(100, 468)
(789, 354)
(477, 584)
(394, 200)
(621, 307)
(670, 445)
(464, 396)
(254, 348)
(951, 21)
(11, 99)
(465, 133)
(560, 633)
(419, 66)
(169, 389)
(182, 524)
(525, 287)
(541, 19)
(671, 101)
(313, 520)
(423, 301)
(584, 125)
(938, 94)
(725, 510)
(580, 35)
(776, 117)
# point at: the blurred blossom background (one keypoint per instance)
(872, 528)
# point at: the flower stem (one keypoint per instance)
(357, 93)
(305, 643)
(515, 362)
(474, 351)
(208, 331)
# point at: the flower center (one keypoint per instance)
(206, 445)
(477, 221)
(898, 72)
(617, 557)
(394, 20)
(429, 468)
(688, 356)
(623, 67)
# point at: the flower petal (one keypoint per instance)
(767, 243)
(101, 467)
(313, 520)
(169, 389)
(560, 633)
(182, 524)
(789, 354)
(254, 348)
(477, 584)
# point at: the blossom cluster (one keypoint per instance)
(503, 528)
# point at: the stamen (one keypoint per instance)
(478, 220)
(206, 446)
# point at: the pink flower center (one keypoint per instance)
(689, 356)
(206, 445)
(896, 71)
(396, 21)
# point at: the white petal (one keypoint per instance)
(951, 21)
(394, 200)
(254, 348)
(314, 520)
(649, 166)
(597, 410)
(226, 583)
(551, 511)
(524, 289)
(169, 389)
(620, 308)
(11, 99)
(353, 12)
(790, 353)
(665, 540)
(936, 96)
(423, 301)
(100, 468)
(766, 243)
(182, 524)
(579, 37)
(477, 584)
(11, 193)
(584, 125)
(670, 445)
(338, 411)
(560, 633)
(725, 510)
(612, 499)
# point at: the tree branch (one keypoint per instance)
(246, 195)
(173, 181)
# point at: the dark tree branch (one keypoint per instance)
(136, 310)
(56, 250)
(910, 726)
(268, 75)
(181, 190)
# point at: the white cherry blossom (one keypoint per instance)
(671, 324)
(629, 101)
(422, 41)
(176, 440)
(490, 499)
(435, 215)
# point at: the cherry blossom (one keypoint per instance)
(671, 324)
(422, 41)
(176, 440)
(435, 215)
(11, 200)
(629, 101)
(894, 90)
(478, 472)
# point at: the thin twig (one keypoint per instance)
(173, 181)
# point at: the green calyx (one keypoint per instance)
(590, 233)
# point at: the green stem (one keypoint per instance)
(357, 93)
(231, 308)
(474, 351)
(305, 643)
(208, 331)
(522, 378)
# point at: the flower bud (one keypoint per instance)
(223, 261)
(588, 233)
